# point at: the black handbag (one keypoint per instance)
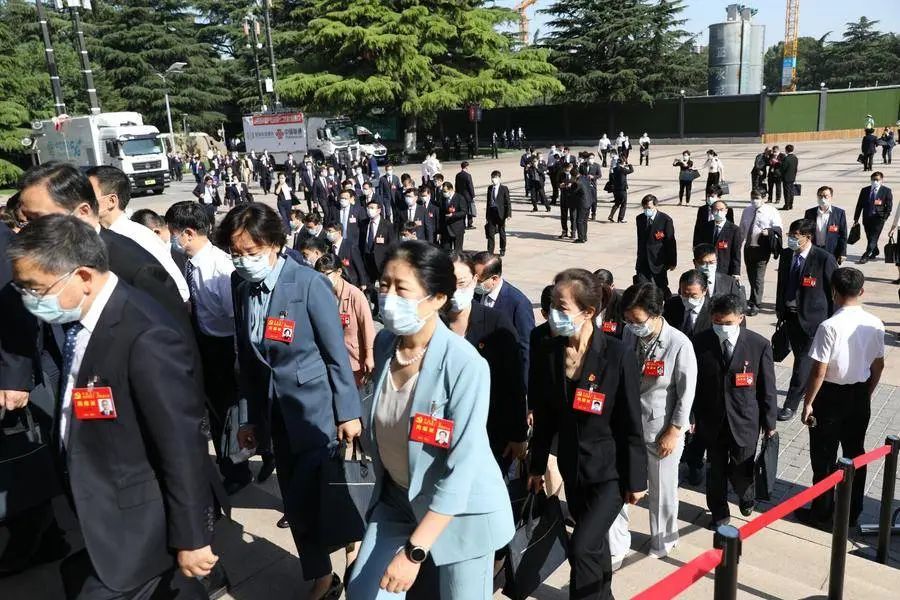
(797, 188)
(854, 234)
(861, 158)
(766, 468)
(726, 189)
(890, 250)
(26, 464)
(695, 174)
(608, 188)
(346, 489)
(781, 343)
(538, 548)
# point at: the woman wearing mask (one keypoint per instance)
(295, 379)
(685, 176)
(609, 312)
(496, 340)
(356, 318)
(435, 494)
(286, 199)
(668, 378)
(585, 388)
(716, 170)
(774, 177)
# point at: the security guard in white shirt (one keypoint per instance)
(758, 222)
(847, 360)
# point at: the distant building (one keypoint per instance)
(736, 50)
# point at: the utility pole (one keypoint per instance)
(266, 4)
(251, 30)
(58, 105)
(86, 72)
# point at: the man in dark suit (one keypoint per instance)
(875, 203)
(453, 218)
(580, 198)
(307, 178)
(831, 224)
(618, 174)
(735, 400)
(591, 170)
(656, 249)
(312, 227)
(432, 213)
(718, 284)
(566, 184)
(207, 194)
(349, 255)
(150, 532)
(788, 176)
(725, 237)
(412, 212)
(388, 192)
(378, 237)
(466, 189)
(705, 214)
(350, 216)
(321, 193)
(495, 292)
(802, 302)
(497, 210)
(290, 171)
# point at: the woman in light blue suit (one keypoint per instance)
(438, 492)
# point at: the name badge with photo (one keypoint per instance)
(589, 401)
(280, 329)
(92, 403)
(654, 368)
(432, 431)
(808, 281)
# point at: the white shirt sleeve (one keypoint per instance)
(822, 347)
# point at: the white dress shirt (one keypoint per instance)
(207, 194)
(754, 220)
(149, 241)
(848, 342)
(89, 322)
(491, 297)
(212, 303)
(822, 225)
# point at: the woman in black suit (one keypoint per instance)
(609, 317)
(495, 338)
(586, 390)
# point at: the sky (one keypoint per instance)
(817, 17)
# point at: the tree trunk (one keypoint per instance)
(409, 135)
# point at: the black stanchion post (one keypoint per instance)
(840, 529)
(887, 499)
(728, 538)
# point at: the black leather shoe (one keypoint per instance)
(863, 260)
(503, 253)
(752, 311)
(283, 522)
(695, 475)
(334, 590)
(747, 508)
(265, 471)
(562, 236)
(785, 414)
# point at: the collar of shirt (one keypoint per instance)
(204, 254)
(269, 282)
(805, 252)
(494, 293)
(89, 320)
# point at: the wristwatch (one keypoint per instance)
(416, 554)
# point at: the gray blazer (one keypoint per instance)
(667, 399)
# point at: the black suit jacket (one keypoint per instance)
(883, 202)
(199, 194)
(418, 219)
(592, 448)
(835, 230)
(656, 248)
(814, 302)
(453, 217)
(674, 311)
(619, 176)
(495, 338)
(356, 220)
(613, 314)
(389, 193)
(704, 213)
(501, 202)
(18, 329)
(464, 186)
(728, 245)
(378, 251)
(351, 258)
(139, 482)
(719, 402)
(789, 168)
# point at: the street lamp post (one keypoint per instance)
(265, 6)
(174, 69)
(251, 30)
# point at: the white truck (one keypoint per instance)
(118, 139)
(318, 136)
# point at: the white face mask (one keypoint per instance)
(719, 216)
(495, 180)
(692, 303)
(727, 332)
(462, 298)
(344, 202)
(823, 203)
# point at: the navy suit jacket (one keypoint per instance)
(814, 301)
(835, 232)
(517, 307)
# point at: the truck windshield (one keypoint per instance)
(142, 146)
(341, 132)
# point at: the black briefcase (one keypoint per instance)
(890, 250)
(538, 548)
(27, 473)
(781, 344)
(797, 189)
(766, 468)
(854, 234)
(726, 189)
(347, 485)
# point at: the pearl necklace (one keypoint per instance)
(414, 359)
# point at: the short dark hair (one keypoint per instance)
(701, 250)
(112, 181)
(260, 221)
(693, 276)
(493, 264)
(604, 276)
(789, 148)
(188, 214)
(848, 282)
(461, 256)
(314, 243)
(438, 176)
(447, 186)
(649, 199)
(646, 296)
(757, 193)
(464, 164)
(409, 227)
(546, 298)
(431, 265)
(148, 219)
(726, 304)
(495, 173)
(67, 186)
(722, 201)
(312, 217)
(334, 225)
(59, 244)
(876, 174)
(715, 190)
(8, 217)
(823, 188)
(424, 189)
(803, 227)
(329, 262)
(586, 290)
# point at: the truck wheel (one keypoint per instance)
(318, 156)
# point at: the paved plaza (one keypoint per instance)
(787, 560)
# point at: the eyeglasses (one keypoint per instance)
(36, 294)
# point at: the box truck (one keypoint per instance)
(281, 133)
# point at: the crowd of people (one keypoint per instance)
(138, 341)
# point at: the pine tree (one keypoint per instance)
(864, 56)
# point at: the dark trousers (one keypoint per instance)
(711, 180)
(756, 258)
(265, 181)
(800, 343)
(728, 462)
(80, 581)
(620, 200)
(873, 226)
(210, 211)
(495, 225)
(494, 152)
(554, 185)
(788, 187)
(373, 275)
(538, 195)
(684, 190)
(644, 158)
(298, 479)
(603, 155)
(284, 209)
(774, 186)
(694, 449)
(643, 274)
(594, 507)
(593, 201)
(566, 217)
(220, 386)
(885, 155)
(757, 180)
(581, 218)
(842, 417)
(867, 161)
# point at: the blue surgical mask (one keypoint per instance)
(719, 216)
(47, 308)
(252, 268)
(650, 212)
(708, 270)
(176, 245)
(793, 243)
(563, 325)
(401, 315)
(640, 330)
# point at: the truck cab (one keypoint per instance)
(334, 136)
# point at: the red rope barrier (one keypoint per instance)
(675, 583)
(790, 505)
(864, 459)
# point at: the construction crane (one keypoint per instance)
(789, 66)
(521, 7)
